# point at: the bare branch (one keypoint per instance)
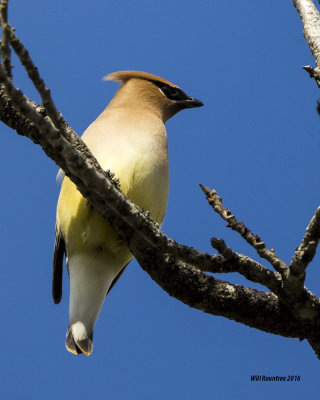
(254, 240)
(310, 17)
(301, 301)
(38, 82)
(304, 254)
(307, 249)
(313, 73)
(247, 267)
(251, 307)
(5, 48)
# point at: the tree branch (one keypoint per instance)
(254, 240)
(294, 281)
(310, 17)
(301, 303)
(249, 268)
(33, 73)
(5, 48)
(251, 307)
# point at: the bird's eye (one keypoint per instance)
(173, 93)
(167, 91)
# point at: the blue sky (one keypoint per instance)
(256, 141)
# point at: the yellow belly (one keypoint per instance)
(81, 226)
(84, 230)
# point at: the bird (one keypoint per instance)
(128, 138)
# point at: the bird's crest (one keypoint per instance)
(124, 76)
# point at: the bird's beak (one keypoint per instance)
(190, 103)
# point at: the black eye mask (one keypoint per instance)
(172, 93)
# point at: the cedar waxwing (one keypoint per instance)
(129, 138)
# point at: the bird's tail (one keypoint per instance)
(90, 279)
(84, 345)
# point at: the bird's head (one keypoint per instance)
(150, 92)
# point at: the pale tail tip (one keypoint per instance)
(84, 346)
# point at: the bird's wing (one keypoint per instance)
(58, 255)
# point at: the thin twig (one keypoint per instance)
(307, 249)
(5, 48)
(254, 240)
(247, 267)
(304, 254)
(33, 73)
(25, 106)
(314, 73)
